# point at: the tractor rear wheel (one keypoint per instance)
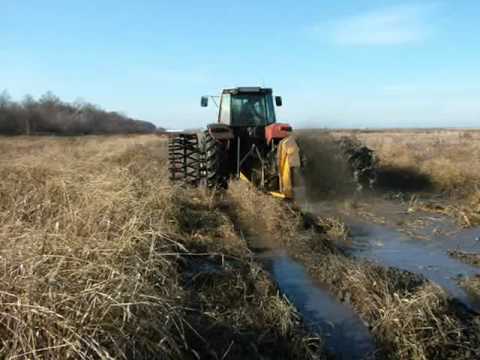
(216, 163)
(184, 158)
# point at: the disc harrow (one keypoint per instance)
(184, 158)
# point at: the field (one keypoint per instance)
(450, 159)
(439, 162)
(102, 257)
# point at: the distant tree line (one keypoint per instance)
(50, 115)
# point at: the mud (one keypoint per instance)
(403, 179)
(325, 172)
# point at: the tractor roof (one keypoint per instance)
(247, 90)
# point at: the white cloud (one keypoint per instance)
(403, 24)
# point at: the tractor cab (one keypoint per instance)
(248, 113)
(246, 107)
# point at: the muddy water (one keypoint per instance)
(345, 335)
(464, 240)
(391, 248)
(388, 243)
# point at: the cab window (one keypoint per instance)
(224, 117)
(250, 110)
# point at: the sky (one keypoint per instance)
(337, 64)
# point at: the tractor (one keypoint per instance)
(246, 142)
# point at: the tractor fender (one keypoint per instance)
(220, 132)
(277, 131)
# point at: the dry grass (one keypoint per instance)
(450, 158)
(472, 285)
(468, 212)
(447, 161)
(472, 258)
(101, 258)
(411, 318)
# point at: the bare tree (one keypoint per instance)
(50, 115)
(28, 103)
(5, 99)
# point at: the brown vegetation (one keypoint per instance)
(449, 158)
(472, 258)
(446, 161)
(472, 285)
(410, 317)
(102, 258)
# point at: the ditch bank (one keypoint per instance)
(232, 308)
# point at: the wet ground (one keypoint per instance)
(392, 248)
(343, 332)
(345, 335)
(389, 233)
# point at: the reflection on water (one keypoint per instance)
(344, 333)
(391, 245)
(392, 248)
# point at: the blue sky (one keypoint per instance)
(336, 63)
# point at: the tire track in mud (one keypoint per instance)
(409, 316)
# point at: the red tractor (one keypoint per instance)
(246, 142)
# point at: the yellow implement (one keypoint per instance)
(288, 157)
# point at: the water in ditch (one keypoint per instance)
(344, 333)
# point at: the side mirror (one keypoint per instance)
(278, 100)
(204, 101)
